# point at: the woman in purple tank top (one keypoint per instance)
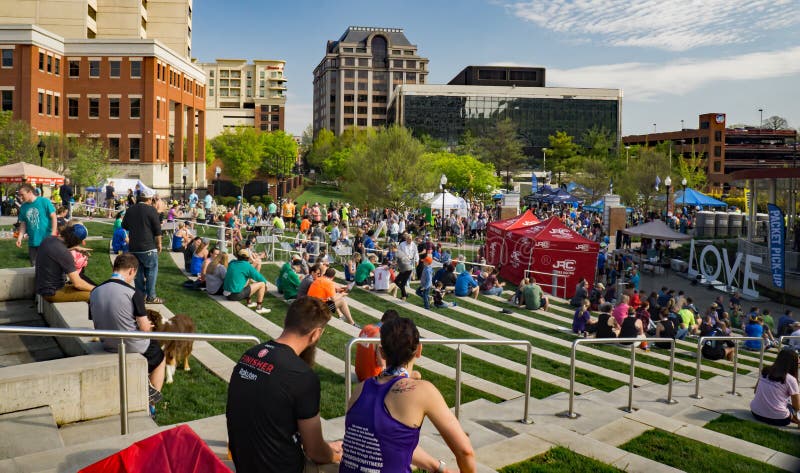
(385, 414)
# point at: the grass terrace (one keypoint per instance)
(758, 433)
(559, 460)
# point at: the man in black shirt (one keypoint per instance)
(111, 199)
(273, 399)
(54, 260)
(144, 233)
(66, 193)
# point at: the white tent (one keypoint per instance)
(450, 203)
(121, 186)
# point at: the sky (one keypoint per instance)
(673, 59)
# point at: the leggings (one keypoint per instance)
(402, 280)
(770, 421)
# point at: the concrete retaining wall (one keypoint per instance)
(16, 283)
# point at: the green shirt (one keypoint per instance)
(290, 282)
(287, 266)
(363, 270)
(36, 217)
(533, 296)
(239, 272)
(687, 317)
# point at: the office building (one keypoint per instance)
(726, 150)
(353, 82)
(500, 76)
(141, 99)
(242, 94)
(168, 21)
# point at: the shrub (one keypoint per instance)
(267, 199)
(255, 199)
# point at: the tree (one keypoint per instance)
(324, 145)
(595, 177)
(89, 163)
(335, 165)
(306, 140)
(240, 152)
(279, 152)
(468, 144)
(389, 170)
(17, 142)
(776, 123)
(598, 142)
(693, 168)
(210, 154)
(465, 173)
(502, 147)
(562, 152)
(637, 185)
(431, 144)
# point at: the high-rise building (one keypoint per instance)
(168, 21)
(353, 82)
(139, 98)
(242, 94)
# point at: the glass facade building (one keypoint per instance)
(446, 112)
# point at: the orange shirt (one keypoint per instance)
(367, 364)
(305, 224)
(322, 288)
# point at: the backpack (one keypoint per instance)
(713, 349)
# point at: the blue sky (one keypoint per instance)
(673, 60)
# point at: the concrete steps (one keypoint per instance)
(16, 349)
(28, 432)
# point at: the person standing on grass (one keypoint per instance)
(111, 199)
(242, 281)
(144, 234)
(37, 219)
(426, 282)
(66, 193)
(777, 398)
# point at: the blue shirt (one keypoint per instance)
(36, 216)
(753, 330)
(426, 279)
(464, 283)
(118, 242)
(368, 243)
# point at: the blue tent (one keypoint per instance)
(695, 198)
(600, 205)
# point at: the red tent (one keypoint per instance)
(553, 252)
(497, 231)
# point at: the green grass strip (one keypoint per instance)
(194, 394)
(13, 257)
(692, 456)
(559, 460)
(756, 432)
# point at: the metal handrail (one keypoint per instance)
(787, 337)
(348, 361)
(701, 341)
(634, 342)
(122, 336)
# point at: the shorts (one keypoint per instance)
(237, 296)
(154, 356)
(331, 306)
(68, 293)
(770, 421)
(288, 220)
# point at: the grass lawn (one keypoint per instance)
(756, 432)
(321, 193)
(194, 394)
(692, 456)
(13, 257)
(559, 460)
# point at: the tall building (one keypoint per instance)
(141, 99)
(169, 21)
(726, 150)
(242, 94)
(353, 82)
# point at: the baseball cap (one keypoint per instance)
(80, 231)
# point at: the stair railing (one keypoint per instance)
(458, 342)
(122, 336)
(634, 343)
(783, 338)
(735, 340)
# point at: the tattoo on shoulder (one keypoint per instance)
(400, 388)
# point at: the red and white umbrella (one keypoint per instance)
(30, 173)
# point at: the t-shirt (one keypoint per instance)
(271, 388)
(207, 201)
(366, 360)
(109, 192)
(215, 279)
(288, 209)
(143, 225)
(118, 242)
(753, 330)
(464, 283)
(532, 294)
(322, 288)
(239, 272)
(272, 208)
(620, 312)
(290, 282)
(772, 397)
(383, 277)
(115, 305)
(193, 198)
(579, 320)
(52, 262)
(687, 317)
(306, 283)
(363, 270)
(36, 217)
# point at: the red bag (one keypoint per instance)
(178, 450)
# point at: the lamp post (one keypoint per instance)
(667, 185)
(442, 182)
(654, 128)
(761, 118)
(627, 156)
(682, 127)
(544, 159)
(217, 172)
(683, 199)
(184, 174)
(41, 147)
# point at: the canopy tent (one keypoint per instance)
(496, 234)
(449, 202)
(657, 230)
(600, 205)
(562, 197)
(30, 173)
(558, 256)
(121, 186)
(694, 198)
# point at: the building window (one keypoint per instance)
(94, 108)
(7, 103)
(210, 92)
(49, 104)
(94, 69)
(58, 66)
(41, 61)
(113, 149)
(349, 61)
(8, 58)
(717, 151)
(718, 135)
(115, 67)
(72, 106)
(41, 103)
(397, 63)
(56, 105)
(113, 108)
(704, 125)
(136, 69)
(349, 98)
(348, 121)
(158, 149)
(264, 127)
(74, 68)
(717, 166)
(349, 109)
(362, 110)
(158, 109)
(703, 140)
(136, 111)
(133, 148)
(411, 77)
(362, 98)
(362, 122)
(49, 63)
(378, 110)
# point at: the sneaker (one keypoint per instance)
(356, 325)
(154, 300)
(252, 304)
(262, 310)
(154, 395)
(152, 411)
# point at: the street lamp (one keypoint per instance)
(442, 182)
(41, 147)
(667, 185)
(682, 127)
(544, 160)
(761, 118)
(217, 172)
(627, 156)
(184, 174)
(654, 128)
(683, 183)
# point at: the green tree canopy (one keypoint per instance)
(17, 142)
(324, 145)
(502, 148)
(464, 173)
(562, 153)
(279, 152)
(89, 163)
(693, 168)
(637, 185)
(240, 152)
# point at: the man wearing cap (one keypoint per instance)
(54, 260)
(144, 230)
(37, 219)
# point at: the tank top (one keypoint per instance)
(603, 330)
(628, 328)
(667, 332)
(373, 439)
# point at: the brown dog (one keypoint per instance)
(174, 350)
